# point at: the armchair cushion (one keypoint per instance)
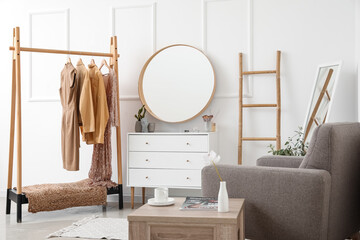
(318, 154)
(279, 161)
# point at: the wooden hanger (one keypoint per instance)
(92, 61)
(69, 60)
(103, 62)
(80, 61)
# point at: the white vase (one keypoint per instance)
(223, 198)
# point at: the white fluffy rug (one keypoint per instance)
(95, 228)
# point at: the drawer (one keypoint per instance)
(168, 160)
(164, 177)
(168, 143)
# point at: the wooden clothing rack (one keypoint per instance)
(18, 196)
(242, 106)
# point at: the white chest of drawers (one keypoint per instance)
(171, 160)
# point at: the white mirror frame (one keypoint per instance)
(334, 78)
(141, 90)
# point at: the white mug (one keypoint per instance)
(161, 194)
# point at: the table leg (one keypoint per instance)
(138, 231)
(132, 197)
(242, 224)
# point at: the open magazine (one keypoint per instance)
(200, 203)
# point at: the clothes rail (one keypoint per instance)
(42, 50)
(15, 119)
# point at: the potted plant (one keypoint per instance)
(139, 116)
(294, 146)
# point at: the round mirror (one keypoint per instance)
(177, 83)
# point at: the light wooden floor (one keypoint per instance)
(39, 225)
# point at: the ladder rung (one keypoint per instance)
(259, 139)
(259, 72)
(258, 105)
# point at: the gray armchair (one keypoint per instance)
(315, 197)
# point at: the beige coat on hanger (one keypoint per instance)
(101, 112)
(86, 106)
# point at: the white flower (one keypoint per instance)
(212, 157)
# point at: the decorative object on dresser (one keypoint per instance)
(172, 223)
(139, 117)
(320, 103)
(177, 83)
(172, 160)
(207, 122)
(151, 127)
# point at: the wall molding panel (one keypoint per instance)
(248, 85)
(205, 22)
(152, 8)
(250, 56)
(66, 13)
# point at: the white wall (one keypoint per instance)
(357, 50)
(307, 32)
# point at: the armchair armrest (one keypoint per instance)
(280, 161)
(279, 202)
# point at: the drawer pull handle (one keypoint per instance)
(147, 177)
(187, 143)
(188, 160)
(147, 160)
(147, 143)
(187, 178)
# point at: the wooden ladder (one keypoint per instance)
(242, 106)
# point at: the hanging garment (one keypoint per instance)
(101, 171)
(70, 139)
(101, 112)
(86, 109)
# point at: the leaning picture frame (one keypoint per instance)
(322, 95)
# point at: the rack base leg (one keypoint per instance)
(18, 206)
(121, 200)
(8, 202)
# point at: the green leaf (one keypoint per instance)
(292, 147)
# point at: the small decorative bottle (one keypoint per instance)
(207, 122)
(223, 198)
(207, 126)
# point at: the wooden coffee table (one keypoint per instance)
(164, 223)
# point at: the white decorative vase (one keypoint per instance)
(223, 198)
